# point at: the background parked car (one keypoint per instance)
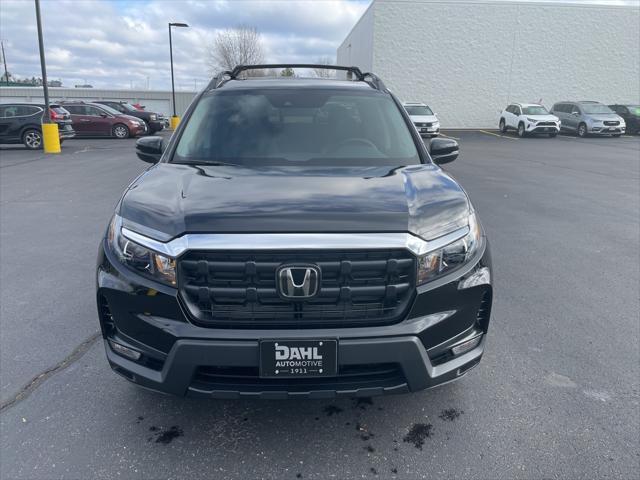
(94, 119)
(589, 118)
(631, 116)
(528, 118)
(154, 124)
(423, 118)
(22, 123)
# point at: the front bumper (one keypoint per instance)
(181, 358)
(136, 129)
(542, 129)
(606, 130)
(432, 131)
(155, 126)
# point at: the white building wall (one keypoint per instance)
(357, 49)
(469, 59)
(155, 101)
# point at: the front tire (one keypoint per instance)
(616, 135)
(502, 126)
(32, 139)
(582, 130)
(521, 131)
(120, 131)
(553, 135)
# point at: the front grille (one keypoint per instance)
(612, 123)
(238, 289)
(247, 379)
(423, 124)
(545, 124)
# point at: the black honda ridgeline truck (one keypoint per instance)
(294, 238)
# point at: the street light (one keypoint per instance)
(175, 120)
(50, 139)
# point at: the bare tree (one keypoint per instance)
(236, 46)
(322, 72)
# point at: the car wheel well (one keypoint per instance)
(30, 127)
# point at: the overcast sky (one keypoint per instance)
(118, 43)
(122, 43)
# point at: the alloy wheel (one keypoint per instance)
(121, 131)
(33, 139)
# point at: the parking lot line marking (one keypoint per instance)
(496, 135)
(449, 136)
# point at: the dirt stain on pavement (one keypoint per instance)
(450, 414)
(332, 410)
(418, 433)
(362, 402)
(166, 436)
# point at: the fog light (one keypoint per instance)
(124, 351)
(466, 346)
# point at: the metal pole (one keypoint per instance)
(173, 88)
(4, 59)
(47, 117)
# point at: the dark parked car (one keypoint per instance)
(294, 238)
(93, 119)
(631, 115)
(22, 123)
(153, 120)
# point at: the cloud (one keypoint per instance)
(117, 43)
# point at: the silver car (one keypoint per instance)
(589, 118)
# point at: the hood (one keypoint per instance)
(605, 117)
(543, 118)
(131, 118)
(175, 199)
(423, 118)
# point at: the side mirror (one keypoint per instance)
(575, 113)
(104, 115)
(149, 149)
(444, 150)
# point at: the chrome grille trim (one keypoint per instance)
(294, 241)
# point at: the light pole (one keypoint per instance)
(175, 120)
(50, 138)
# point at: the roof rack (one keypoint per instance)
(368, 77)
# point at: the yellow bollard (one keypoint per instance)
(50, 138)
(175, 121)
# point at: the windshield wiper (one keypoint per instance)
(206, 163)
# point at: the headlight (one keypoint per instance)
(531, 120)
(153, 117)
(440, 262)
(596, 122)
(144, 261)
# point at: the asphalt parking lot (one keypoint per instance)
(556, 395)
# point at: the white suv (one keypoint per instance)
(528, 118)
(425, 121)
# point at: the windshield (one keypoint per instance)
(110, 110)
(535, 110)
(297, 127)
(129, 107)
(418, 110)
(595, 108)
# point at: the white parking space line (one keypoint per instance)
(496, 135)
(449, 136)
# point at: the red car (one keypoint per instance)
(94, 120)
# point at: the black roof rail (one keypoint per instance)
(223, 77)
